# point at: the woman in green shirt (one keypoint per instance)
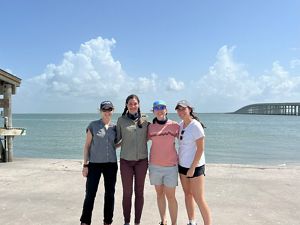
(132, 133)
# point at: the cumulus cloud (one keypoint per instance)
(85, 77)
(174, 85)
(90, 70)
(228, 84)
(82, 77)
(143, 85)
(280, 85)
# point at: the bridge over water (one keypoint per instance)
(271, 109)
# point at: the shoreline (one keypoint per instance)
(248, 165)
(51, 191)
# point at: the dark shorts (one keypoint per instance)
(200, 170)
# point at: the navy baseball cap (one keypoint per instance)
(106, 105)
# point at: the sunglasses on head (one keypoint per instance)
(159, 107)
(181, 135)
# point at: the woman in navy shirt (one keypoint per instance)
(99, 157)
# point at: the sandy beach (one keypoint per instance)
(51, 191)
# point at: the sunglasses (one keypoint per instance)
(159, 107)
(180, 108)
(107, 110)
(181, 135)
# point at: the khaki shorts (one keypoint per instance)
(163, 175)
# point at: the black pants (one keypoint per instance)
(109, 171)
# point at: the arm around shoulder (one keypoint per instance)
(119, 132)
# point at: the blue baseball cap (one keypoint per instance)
(159, 102)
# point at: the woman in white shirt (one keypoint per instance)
(192, 162)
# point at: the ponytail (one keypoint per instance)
(125, 110)
(193, 115)
(139, 123)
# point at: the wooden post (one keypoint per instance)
(7, 114)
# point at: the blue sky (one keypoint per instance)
(220, 55)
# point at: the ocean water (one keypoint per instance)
(230, 138)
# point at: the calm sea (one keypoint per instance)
(230, 138)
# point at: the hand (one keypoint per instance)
(190, 172)
(85, 171)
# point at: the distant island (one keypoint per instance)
(271, 109)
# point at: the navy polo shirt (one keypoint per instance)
(102, 149)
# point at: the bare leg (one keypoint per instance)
(197, 188)
(172, 203)
(161, 202)
(189, 200)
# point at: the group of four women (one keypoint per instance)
(132, 133)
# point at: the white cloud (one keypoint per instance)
(91, 74)
(280, 85)
(81, 79)
(294, 63)
(143, 85)
(83, 76)
(174, 85)
(228, 85)
(91, 70)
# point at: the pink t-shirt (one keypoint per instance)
(163, 151)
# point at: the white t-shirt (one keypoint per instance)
(188, 146)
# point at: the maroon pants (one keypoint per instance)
(138, 171)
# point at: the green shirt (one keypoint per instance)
(133, 139)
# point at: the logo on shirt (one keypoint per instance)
(101, 132)
(163, 133)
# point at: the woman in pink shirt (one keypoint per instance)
(163, 164)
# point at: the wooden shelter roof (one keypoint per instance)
(7, 78)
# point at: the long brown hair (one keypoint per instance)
(133, 96)
(193, 115)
